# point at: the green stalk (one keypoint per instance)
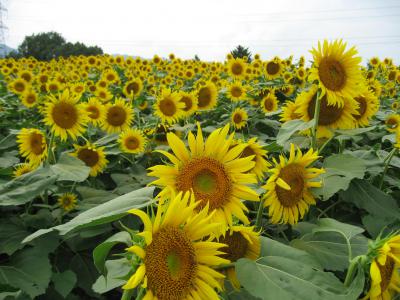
(387, 162)
(50, 155)
(127, 295)
(316, 120)
(259, 214)
(350, 272)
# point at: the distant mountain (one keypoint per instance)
(4, 50)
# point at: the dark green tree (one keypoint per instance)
(49, 45)
(240, 52)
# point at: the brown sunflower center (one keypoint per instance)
(272, 68)
(208, 179)
(362, 108)
(237, 246)
(386, 272)
(132, 87)
(167, 107)
(248, 151)
(66, 201)
(132, 143)
(392, 123)
(205, 97)
(188, 102)
(36, 143)
(19, 86)
(53, 87)
(116, 116)
(237, 118)
(268, 104)
(93, 112)
(236, 91)
(65, 115)
(237, 68)
(332, 74)
(293, 175)
(328, 114)
(88, 156)
(31, 98)
(170, 264)
(392, 75)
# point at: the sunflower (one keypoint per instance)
(93, 157)
(67, 201)
(269, 102)
(212, 169)
(29, 98)
(288, 196)
(330, 116)
(18, 86)
(168, 107)
(118, 116)
(236, 91)
(393, 122)
(255, 150)
(22, 169)
(375, 86)
(190, 101)
(133, 88)
(239, 118)
(176, 263)
(241, 242)
(103, 94)
(65, 116)
(132, 141)
(95, 111)
(273, 68)
(289, 112)
(32, 145)
(395, 105)
(368, 106)
(207, 96)
(384, 269)
(237, 67)
(374, 62)
(338, 72)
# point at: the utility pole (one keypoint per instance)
(3, 28)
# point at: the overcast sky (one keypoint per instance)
(210, 28)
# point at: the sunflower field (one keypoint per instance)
(164, 178)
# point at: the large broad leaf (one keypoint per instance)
(116, 269)
(64, 282)
(290, 128)
(275, 277)
(104, 213)
(11, 236)
(9, 159)
(340, 169)
(25, 188)
(70, 168)
(93, 197)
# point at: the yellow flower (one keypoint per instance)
(337, 71)
(190, 101)
(212, 169)
(269, 102)
(133, 88)
(239, 118)
(29, 98)
(393, 122)
(65, 116)
(32, 145)
(67, 201)
(236, 91)
(273, 68)
(368, 106)
(176, 262)
(132, 141)
(384, 270)
(207, 96)
(237, 67)
(289, 112)
(288, 196)
(168, 107)
(22, 169)
(118, 116)
(18, 86)
(93, 157)
(95, 110)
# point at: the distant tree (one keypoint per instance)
(48, 45)
(196, 57)
(240, 52)
(13, 54)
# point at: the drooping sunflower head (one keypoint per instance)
(175, 262)
(368, 106)
(207, 96)
(65, 115)
(32, 145)
(93, 157)
(288, 195)
(241, 242)
(133, 88)
(67, 201)
(330, 116)
(289, 112)
(168, 107)
(236, 91)
(273, 68)
(118, 116)
(393, 122)
(22, 169)
(190, 102)
(337, 71)
(212, 169)
(95, 110)
(132, 141)
(237, 67)
(269, 103)
(384, 269)
(239, 118)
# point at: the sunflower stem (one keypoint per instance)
(350, 271)
(140, 294)
(387, 162)
(225, 266)
(127, 294)
(316, 119)
(50, 154)
(259, 214)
